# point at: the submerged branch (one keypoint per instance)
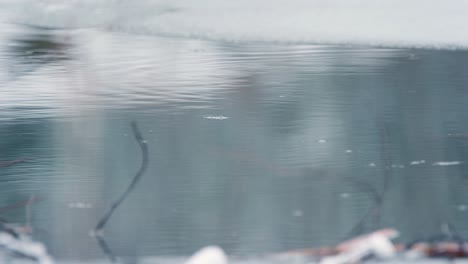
(378, 197)
(100, 225)
(106, 249)
(11, 162)
(144, 164)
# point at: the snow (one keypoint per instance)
(417, 23)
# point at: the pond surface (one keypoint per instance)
(254, 147)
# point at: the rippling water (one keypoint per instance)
(256, 147)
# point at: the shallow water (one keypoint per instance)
(256, 147)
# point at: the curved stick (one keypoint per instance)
(136, 178)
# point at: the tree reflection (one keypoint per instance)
(30, 50)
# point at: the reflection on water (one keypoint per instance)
(36, 49)
(253, 147)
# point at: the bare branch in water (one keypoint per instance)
(369, 189)
(144, 164)
(11, 162)
(375, 212)
(387, 160)
(28, 212)
(106, 249)
(360, 226)
(136, 178)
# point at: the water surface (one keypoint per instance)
(256, 147)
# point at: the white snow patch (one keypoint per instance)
(80, 205)
(447, 163)
(417, 162)
(298, 213)
(345, 195)
(426, 23)
(208, 255)
(216, 117)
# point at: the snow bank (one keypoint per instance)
(399, 23)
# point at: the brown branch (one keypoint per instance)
(9, 163)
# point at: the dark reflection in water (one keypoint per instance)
(253, 147)
(29, 51)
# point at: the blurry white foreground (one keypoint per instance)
(208, 255)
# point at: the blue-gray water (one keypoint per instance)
(255, 147)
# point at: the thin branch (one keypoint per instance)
(106, 249)
(9, 163)
(359, 227)
(144, 164)
(376, 210)
(368, 189)
(28, 213)
(387, 160)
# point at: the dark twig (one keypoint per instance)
(387, 160)
(360, 226)
(368, 189)
(375, 211)
(144, 164)
(9, 163)
(106, 249)
(136, 178)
